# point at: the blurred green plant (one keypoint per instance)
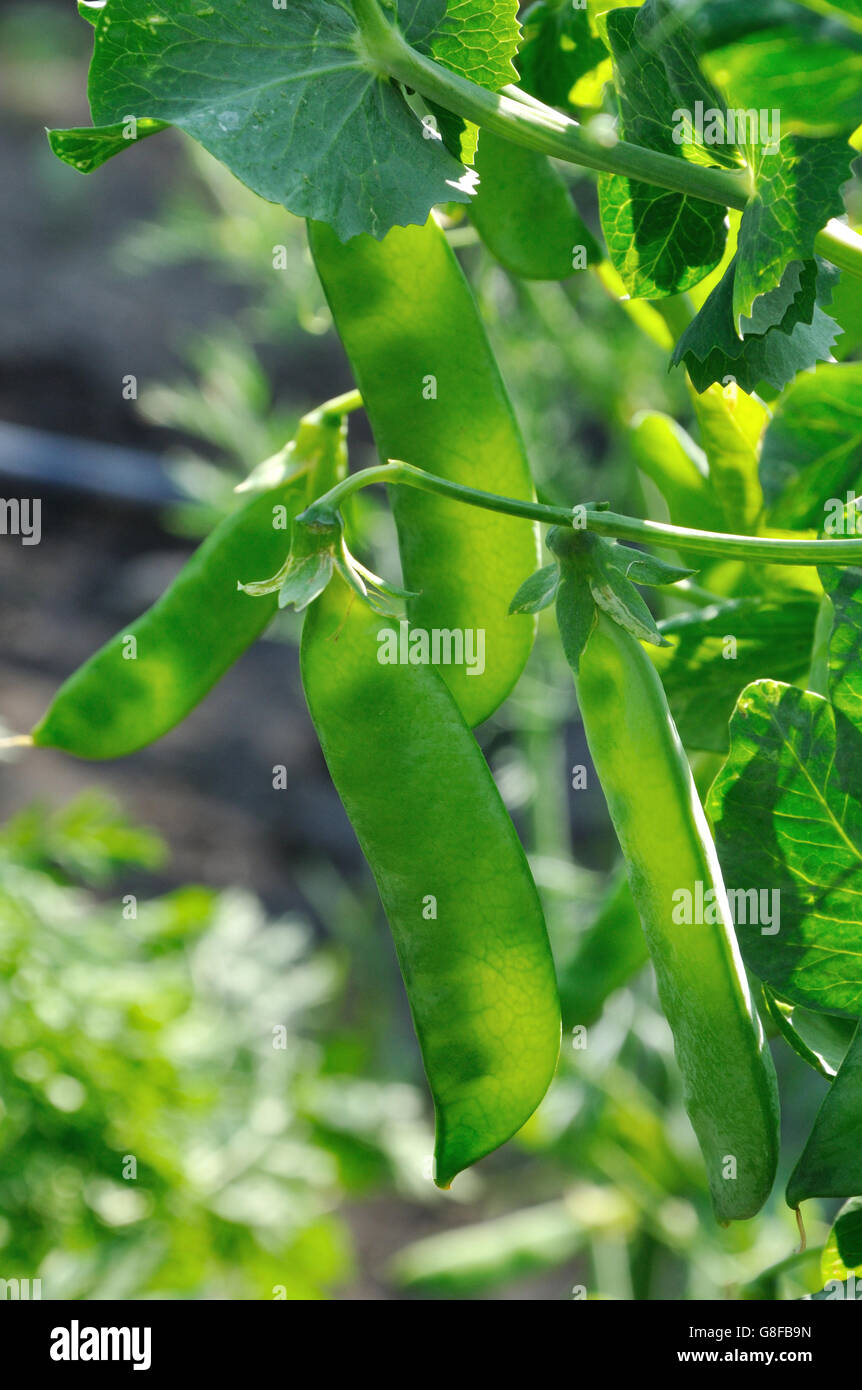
(171, 1125)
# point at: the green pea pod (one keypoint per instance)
(729, 1082)
(607, 955)
(524, 213)
(148, 677)
(435, 398)
(453, 878)
(679, 470)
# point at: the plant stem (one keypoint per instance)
(602, 523)
(528, 122)
(340, 405)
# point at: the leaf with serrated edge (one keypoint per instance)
(661, 243)
(284, 98)
(787, 817)
(479, 40)
(797, 188)
(712, 352)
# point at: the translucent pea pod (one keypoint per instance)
(608, 954)
(524, 213)
(149, 676)
(455, 884)
(435, 398)
(729, 1084)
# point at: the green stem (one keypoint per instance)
(534, 125)
(340, 405)
(603, 523)
(528, 122)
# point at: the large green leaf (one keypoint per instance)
(287, 100)
(811, 74)
(803, 334)
(559, 48)
(703, 671)
(478, 38)
(661, 243)
(831, 1162)
(812, 450)
(788, 817)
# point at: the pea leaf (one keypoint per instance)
(661, 243)
(712, 351)
(842, 1253)
(88, 149)
(810, 72)
(285, 100)
(788, 818)
(479, 39)
(819, 1039)
(479, 45)
(828, 1036)
(797, 188)
(559, 48)
(831, 1162)
(712, 654)
(837, 1289)
(812, 449)
(90, 9)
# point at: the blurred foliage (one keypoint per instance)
(170, 1124)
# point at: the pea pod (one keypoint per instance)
(453, 878)
(435, 398)
(148, 677)
(519, 192)
(607, 955)
(728, 1078)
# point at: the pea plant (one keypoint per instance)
(722, 138)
